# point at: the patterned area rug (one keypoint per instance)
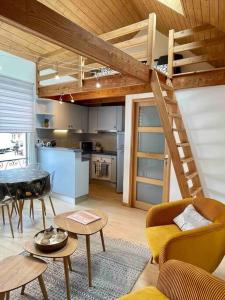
(114, 272)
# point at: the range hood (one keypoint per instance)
(107, 131)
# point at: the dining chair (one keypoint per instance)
(39, 192)
(6, 200)
(47, 193)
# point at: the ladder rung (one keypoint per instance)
(186, 159)
(183, 145)
(166, 87)
(194, 191)
(190, 175)
(170, 101)
(178, 129)
(174, 115)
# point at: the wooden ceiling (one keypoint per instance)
(100, 16)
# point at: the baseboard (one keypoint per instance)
(64, 198)
(81, 199)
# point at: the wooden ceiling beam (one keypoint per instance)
(37, 19)
(199, 79)
(115, 85)
(99, 101)
(112, 35)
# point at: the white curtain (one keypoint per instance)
(16, 105)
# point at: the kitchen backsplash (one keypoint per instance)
(69, 139)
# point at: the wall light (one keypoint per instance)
(71, 99)
(60, 99)
(60, 130)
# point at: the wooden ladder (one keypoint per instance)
(176, 137)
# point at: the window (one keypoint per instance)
(13, 150)
(16, 122)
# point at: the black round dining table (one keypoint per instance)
(24, 183)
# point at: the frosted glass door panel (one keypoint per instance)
(148, 193)
(149, 117)
(151, 142)
(150, 168)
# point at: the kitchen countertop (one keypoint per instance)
(60, 149)
(104, 152)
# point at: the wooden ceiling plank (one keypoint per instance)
(49, 25)
(86, 9)
(103, 12)
(115, 17)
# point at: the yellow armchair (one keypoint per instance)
(203, 247)
(181, 281)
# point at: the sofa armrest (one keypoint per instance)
(163, 214)
(203, 247)
(179, 280)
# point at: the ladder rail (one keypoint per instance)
(170, 115)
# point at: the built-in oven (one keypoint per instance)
(103, 167)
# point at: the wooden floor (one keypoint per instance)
(124, 222)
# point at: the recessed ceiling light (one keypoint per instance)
(57, 77)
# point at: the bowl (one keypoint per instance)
(50, 240)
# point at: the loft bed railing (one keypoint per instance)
(139, 47)
(185, 47)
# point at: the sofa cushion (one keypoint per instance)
(148, 293)
(190, 219)
(157, 237)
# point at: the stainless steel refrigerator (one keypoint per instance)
(120, 162)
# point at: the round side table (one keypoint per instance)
(16, 271)
(77, 228)
(63, 253)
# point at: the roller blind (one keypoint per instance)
(16, 105)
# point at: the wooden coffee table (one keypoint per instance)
(16, 271)
(63, 253)
(79, 229)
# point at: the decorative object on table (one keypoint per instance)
(46, 123)
(84, 217)
(51, 239)
(123, 261)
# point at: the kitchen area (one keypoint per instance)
(95, 136)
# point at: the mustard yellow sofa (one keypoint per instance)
(203, 247)
(181, 281)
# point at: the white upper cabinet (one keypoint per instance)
(79, 118)
(93, 120)
(70, 116)
(106, 118)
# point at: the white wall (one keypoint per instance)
(16, 67)
(203, 111)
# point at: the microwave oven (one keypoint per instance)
(86, 146)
